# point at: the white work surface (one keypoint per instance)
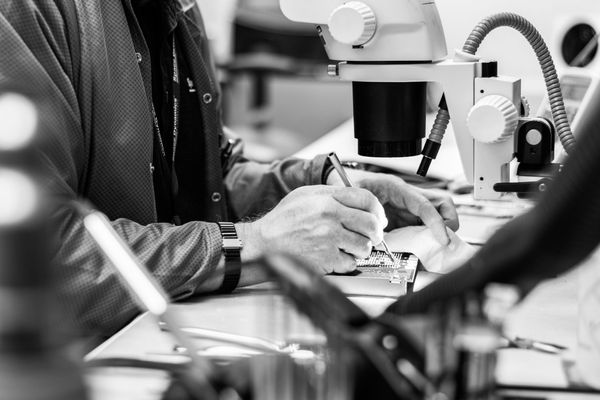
(548, 314)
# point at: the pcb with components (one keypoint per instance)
(379, 265)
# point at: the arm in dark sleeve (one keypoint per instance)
(36, 58)
(254, 188)
(184, 259)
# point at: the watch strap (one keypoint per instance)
(232, 246)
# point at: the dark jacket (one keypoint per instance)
(88, 61)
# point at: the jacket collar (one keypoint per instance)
(173, 9)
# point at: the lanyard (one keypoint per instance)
(176, 106)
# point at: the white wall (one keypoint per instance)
(218, 17)
(505, 45)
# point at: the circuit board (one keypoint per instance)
(379, 265)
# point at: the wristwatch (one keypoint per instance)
(232, 245)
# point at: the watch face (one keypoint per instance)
(232, 243)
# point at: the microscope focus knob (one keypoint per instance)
(352, 23)
(493, 119)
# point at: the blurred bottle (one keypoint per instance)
(313, 365)
(34, 363)
(588, 330)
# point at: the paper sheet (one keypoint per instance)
(434, 256)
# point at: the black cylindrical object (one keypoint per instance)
(389, 118)
(430, 152)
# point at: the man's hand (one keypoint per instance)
(328, 226)
(405, 204)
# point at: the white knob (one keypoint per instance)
(493, 119)
(352, 23)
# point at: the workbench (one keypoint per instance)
(549, 314)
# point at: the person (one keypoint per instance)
(131, 118)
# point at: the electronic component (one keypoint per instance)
(379, 265)
(377, 275)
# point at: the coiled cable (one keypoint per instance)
(440, 125)
(544, 57)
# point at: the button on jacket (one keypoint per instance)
(88, 66)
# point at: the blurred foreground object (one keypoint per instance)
(34, 363)
(370, 358)
(588, 329)
(448, 352)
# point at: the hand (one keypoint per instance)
(328, 226)
(406, 205)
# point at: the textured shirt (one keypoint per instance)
(87, 65)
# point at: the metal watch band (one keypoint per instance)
(233, 261)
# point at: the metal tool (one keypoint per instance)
(535, 345)
(335, 161)
(248, 342)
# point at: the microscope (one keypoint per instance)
(391, 49)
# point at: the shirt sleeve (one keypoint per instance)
(181, 258)
(254, 188)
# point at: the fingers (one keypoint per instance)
(360, 222)
(421, 207)
(361, 199)
(354, 244)
(432, 219)
(448, 212)
(343, 263)
(445, 207)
